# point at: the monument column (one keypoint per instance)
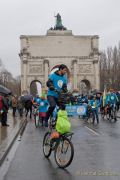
(24, 86)
(74, 74)
(46, 65)
(97, 71)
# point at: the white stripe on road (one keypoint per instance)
(94, 132)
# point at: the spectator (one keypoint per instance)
(20, 106)
(14, 104)
(4, 111)
(28, 108)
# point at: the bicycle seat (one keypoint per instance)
(68, 134)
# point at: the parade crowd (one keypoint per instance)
(25, 104)
(58, 95)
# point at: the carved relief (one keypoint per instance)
(35, 69)
(85, 68)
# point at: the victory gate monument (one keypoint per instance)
(40, 54)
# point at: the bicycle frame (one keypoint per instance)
(61, 144)
(110, 111)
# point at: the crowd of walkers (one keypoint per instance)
(16, 104)
(22, 105)
(26, 103)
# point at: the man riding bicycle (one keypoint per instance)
(111, 100)
(56, 83)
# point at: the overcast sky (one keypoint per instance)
(35, 17)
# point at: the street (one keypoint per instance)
(96, 154)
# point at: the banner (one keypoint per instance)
(76, 110)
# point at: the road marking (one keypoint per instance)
(94, 132)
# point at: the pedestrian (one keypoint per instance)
(118, 102)
(20, 106)
(5, 108)
(28, 108)
(43, 107)
(14, 103)
(94, 103)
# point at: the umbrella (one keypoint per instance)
(27, 97)
(4, 90)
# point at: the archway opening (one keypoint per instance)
(85, 87)
(36, 88)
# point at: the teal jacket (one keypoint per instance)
(111, 98)
(95, 104)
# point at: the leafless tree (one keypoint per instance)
(110, 68)
(7, 79)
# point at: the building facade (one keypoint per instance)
(40, 54)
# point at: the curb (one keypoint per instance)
(20, 131)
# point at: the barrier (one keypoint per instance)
(76, 110)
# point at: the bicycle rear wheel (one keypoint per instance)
(90, 118)
(46, 145)
(64, 152)
(37, 119)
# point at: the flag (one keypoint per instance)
(104, 96)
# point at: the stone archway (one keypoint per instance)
(85, 86)
(36, 87)
(40, 54)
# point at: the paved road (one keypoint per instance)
(96, 154)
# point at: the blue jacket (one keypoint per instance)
(43, 105)
(58, 82)
(95, 104)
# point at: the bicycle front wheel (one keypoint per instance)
(64, 153)
(37, 120)
(46, 145)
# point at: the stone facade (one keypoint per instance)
(39, 54)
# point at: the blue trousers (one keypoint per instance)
(95, 115)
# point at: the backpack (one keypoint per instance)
(28, 104)
(1, 102)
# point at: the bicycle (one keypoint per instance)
(112, 113)
(36, 115)
(62, 146)
(104, 112)
(87, 115)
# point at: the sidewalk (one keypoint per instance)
(8, 134)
